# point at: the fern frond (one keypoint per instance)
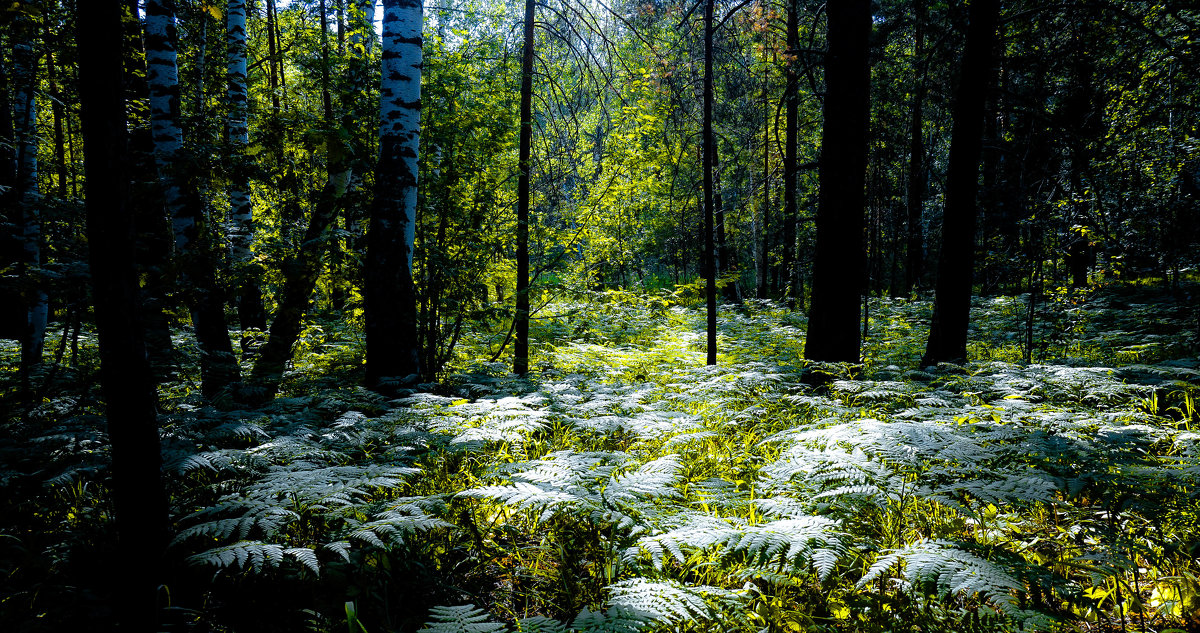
(951, 570)
(255, 555)
(665, 602)
(540, 624)
(466, 618)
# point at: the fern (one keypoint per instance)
(540, 624)
(461, 619)
(255, 555)
(585, 482)
(798, 543)
(952, 571)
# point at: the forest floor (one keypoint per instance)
(626, 486)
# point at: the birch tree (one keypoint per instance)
(27, 195)
(393, 350)
(251, 313)
(218, 366)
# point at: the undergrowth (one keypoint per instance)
(625, 486)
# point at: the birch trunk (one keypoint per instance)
(247, 273)
(28, 197)
(218, 366)
(393, 350)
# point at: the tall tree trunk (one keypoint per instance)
(839, 264)
(125, 377)
(521, 325)
(956, 265)
(273, 61)
(28, 198)
(218, 366)
(763, 265)
(393, 350)
(914, 263)
(153, 230)
(362, 27)
(709, 157)
(791, 271)
(246, 272)
(12, 313)
(326, 99)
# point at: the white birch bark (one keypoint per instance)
(393, 349)
(25, 127)
(400, 103)
(241, 213)
(162, 74)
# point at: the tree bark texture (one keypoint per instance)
(218, 366)
(393, 349)
(247, 273)
(28, 196)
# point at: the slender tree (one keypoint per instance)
(525, 166)
(218, 366)
(393, 349)
(125, 375)
(709, 155)
(915, 260)
(251, 313)
(839, 264)
(12, 314)
(28, 195)
(791, 96)
(956, 264)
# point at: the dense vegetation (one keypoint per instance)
(625, 485)
(702, 316)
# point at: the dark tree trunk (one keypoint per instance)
(12, 313)
(791, 273)
(521, 326)
(125, 377)
(709, 158)
(914, 250)
(761, 265)
(956, 265)
(838, 268)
